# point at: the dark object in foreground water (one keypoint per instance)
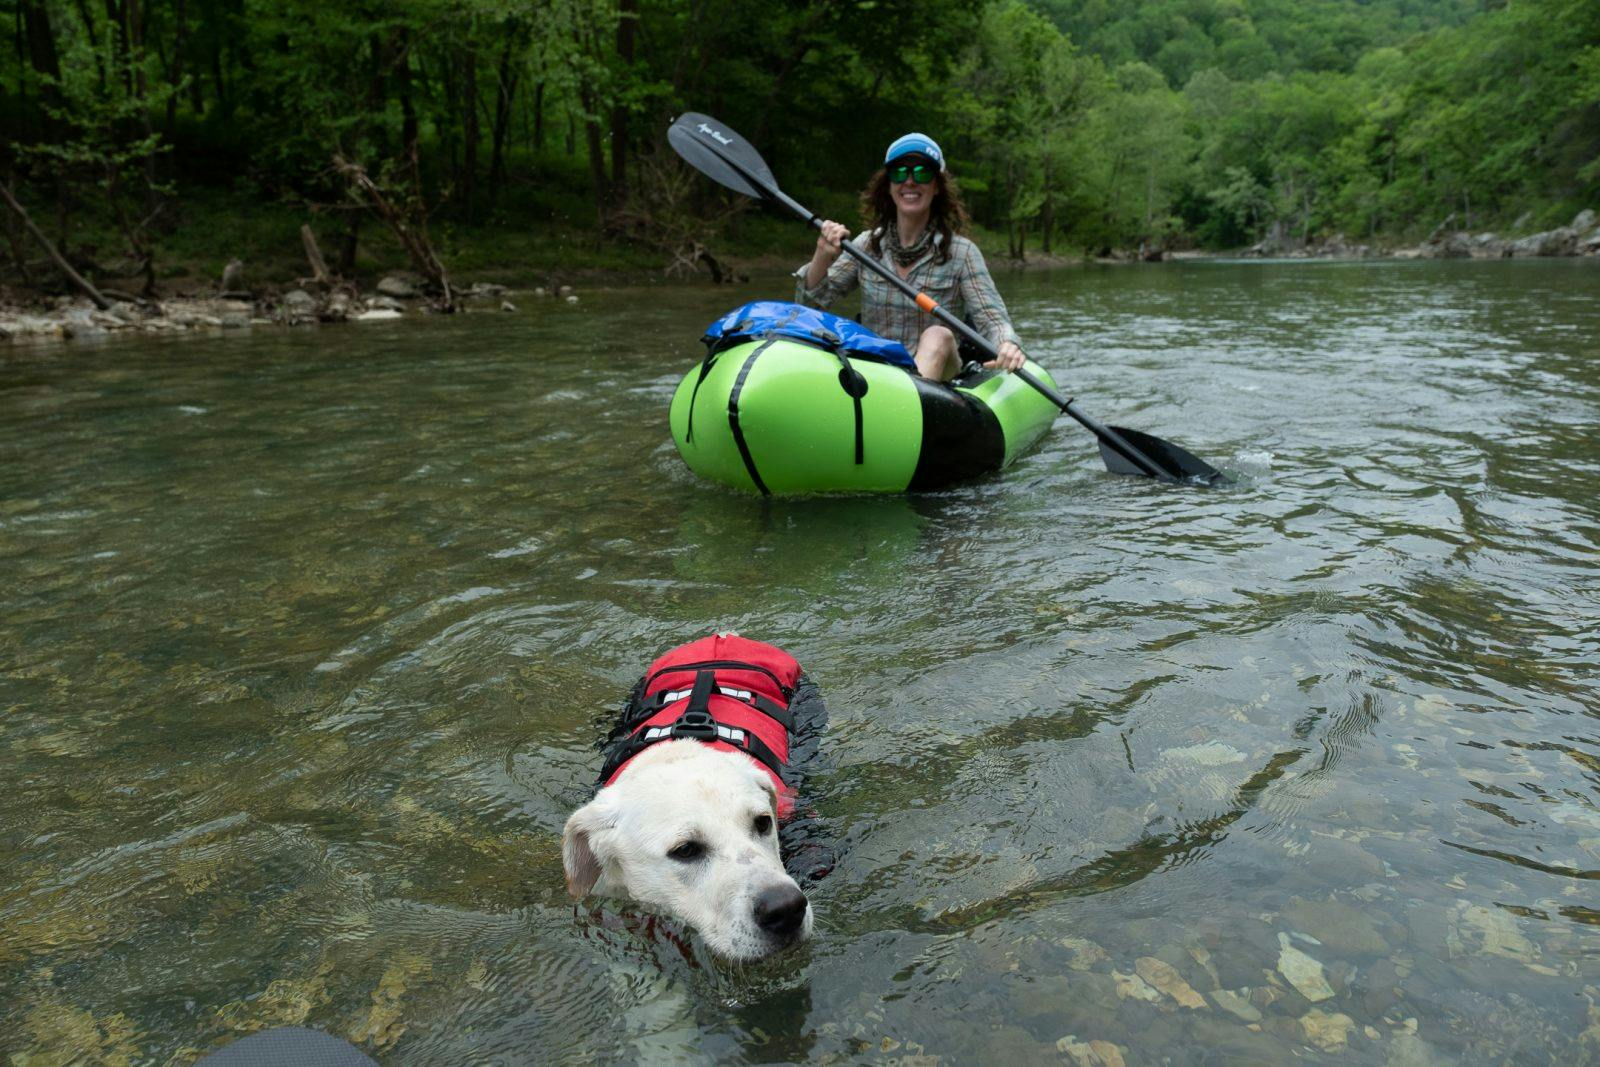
(289, 1046)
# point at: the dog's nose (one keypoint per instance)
(781, 910)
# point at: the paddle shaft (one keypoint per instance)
(928, 304)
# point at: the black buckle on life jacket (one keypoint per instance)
(698, 725)
(696, 722)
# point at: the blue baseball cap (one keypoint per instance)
(914, 144)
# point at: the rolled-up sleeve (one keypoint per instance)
(842, 277)
(982, 300)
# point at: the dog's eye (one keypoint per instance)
(762, 825)
(687, 852)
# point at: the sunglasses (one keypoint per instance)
(922, 174)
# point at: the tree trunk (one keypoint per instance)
(408, 107)
(1047, 216)
(505, 95)
(60, 261)
(1011, 207)
(597, 166)
(180, 40)
(347, 247)
(136, 19)
(538, 117)
(469, 128)
(45, 60)
(593, 140)
(627, 28)
(223, 103)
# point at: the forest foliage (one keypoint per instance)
(1071, 124)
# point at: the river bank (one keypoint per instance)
(70, 318)
(1580, 238)
(33, 316)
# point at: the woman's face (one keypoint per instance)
(912, 197)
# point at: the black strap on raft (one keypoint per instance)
(705, 369)
(696, 723)
(733, 417)
(854, 383)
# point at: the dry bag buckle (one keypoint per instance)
(698, 725)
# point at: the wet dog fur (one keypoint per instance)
(692, 831)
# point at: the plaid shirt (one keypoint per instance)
(960, 284)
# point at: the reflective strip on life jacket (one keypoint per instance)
(749, 682)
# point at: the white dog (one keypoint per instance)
(686, 820)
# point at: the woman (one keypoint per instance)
(915, 220)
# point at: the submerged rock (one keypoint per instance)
(1236, 1005)
(1497, 932)
(1090, 1053)
(1347, 929)
(1409, 1050)
(1329, 1032)
(1210, 754)
(1132, 986)
(1302, 971)
(1165, 977)
(1085, 953)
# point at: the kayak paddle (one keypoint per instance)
(728, 159)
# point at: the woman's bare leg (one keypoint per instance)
(936, 354)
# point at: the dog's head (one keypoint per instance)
(693, 831)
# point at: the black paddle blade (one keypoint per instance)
(721, 155)
(1181, 465)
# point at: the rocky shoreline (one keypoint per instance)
(395, 296)
(401, 293)
(1580, 238)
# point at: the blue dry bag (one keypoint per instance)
(778, 318)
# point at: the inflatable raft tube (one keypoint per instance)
(779, 416)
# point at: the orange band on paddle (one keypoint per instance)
(927, 303)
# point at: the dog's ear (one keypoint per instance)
(765, 781)
(578, 842)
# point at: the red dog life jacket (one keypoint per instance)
(727, 691)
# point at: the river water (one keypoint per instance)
(310, 637)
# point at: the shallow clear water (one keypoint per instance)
(310, 636)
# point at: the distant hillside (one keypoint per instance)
(1247, 39)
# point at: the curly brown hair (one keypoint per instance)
(948, 216)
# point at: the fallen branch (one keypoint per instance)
(66, 268)
(319, 268)
(1437, 230)
(414, 238)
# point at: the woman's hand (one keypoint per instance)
(1011, 357)
(830, 242)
